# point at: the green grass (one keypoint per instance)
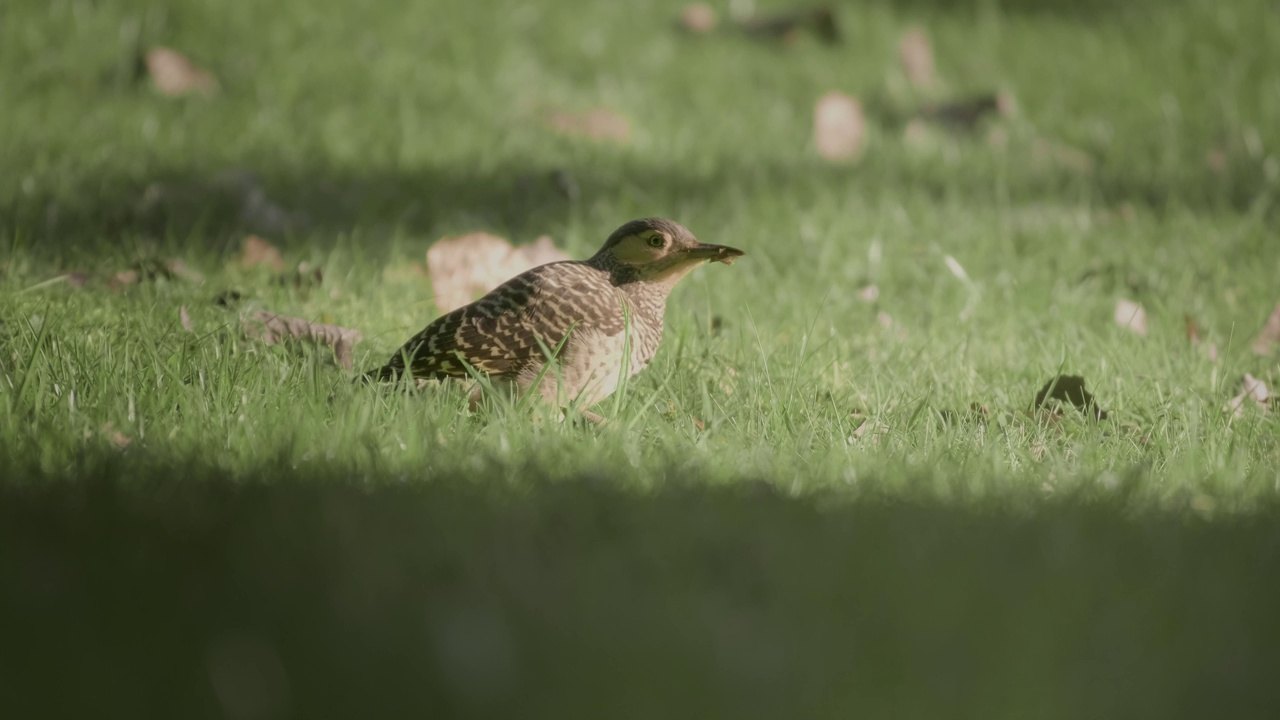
(379, 130)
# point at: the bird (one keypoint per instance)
(596, 318)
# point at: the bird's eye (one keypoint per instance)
(656, 241)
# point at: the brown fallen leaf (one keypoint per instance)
(698, 424)
(463, 267)
(596, 124)
(174, 75)
(184, 317)
(123, 278)
(152, 269)
(916, 56)
(871, 430)
(1193, 337)
(1269, 336)
(699, 18)
(1193, 330)
(839, 127)
(1131, 316)
(116, 437)
(1070, 389)
(256, 252)
(729, 381)
(1255, 390)
(271, 329)
(177, 268)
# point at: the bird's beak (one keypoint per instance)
(713, 253)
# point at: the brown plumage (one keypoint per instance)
(581, 307)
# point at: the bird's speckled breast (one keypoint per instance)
(591, 365)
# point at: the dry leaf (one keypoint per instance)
(185, 318)
(176, 268)
(175, 75)
(1070, 388)
(151, 269)
(257, 251)
(464, 267)
(729, 381)
(1193, 337)
(116, 437)
(1255, 390)
(597, 124)
(698, 424)
(1269, 337)
(271, 329)
(916, 56)
(122, 278)
(1131, 316)
(869, 293)
(839, 128)
(1193, 330)
(871, 430)
(699, 18)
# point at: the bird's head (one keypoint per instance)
(657, 250)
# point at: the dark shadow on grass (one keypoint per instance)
(135, 590)
(293, 205)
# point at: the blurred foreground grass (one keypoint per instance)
(811, 504)
(580, 599)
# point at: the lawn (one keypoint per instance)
(829, 493)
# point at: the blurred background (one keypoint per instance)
(1068, 153)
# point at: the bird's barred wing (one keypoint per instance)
(515, 324)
